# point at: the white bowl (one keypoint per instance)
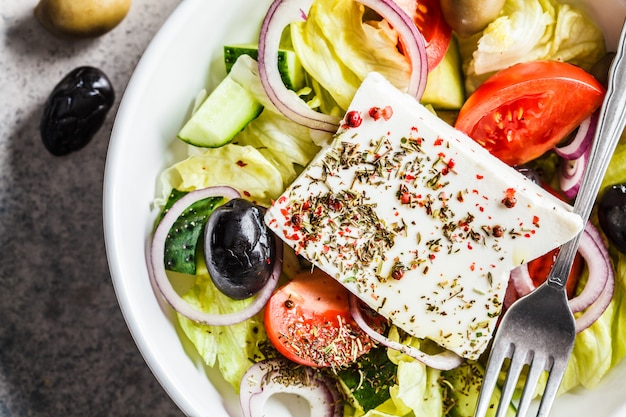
(184, 57)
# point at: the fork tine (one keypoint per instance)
(552, 387)
(537, 366)
(496, 359)
(518, 359)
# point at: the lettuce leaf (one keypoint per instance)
(233, 347)
(529, 30)
(616, 173)
(241, 167)
(283, 142)
(338, 49)
(417, 389)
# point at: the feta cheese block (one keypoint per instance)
(418, 220)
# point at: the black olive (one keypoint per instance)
(239, 249)
(612, 215)
(76, 110)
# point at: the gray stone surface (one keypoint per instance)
(65, 349)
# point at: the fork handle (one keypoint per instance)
(606, 137)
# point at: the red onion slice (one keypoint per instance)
(444, 361)
(281, 13)
(596, 255)
(598, 291)
(582, 140)
(595, 310)
(412, 40)
(571, 174)
(274, 376)
(157, 266)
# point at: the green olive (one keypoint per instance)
(81, 18)
(468, 17)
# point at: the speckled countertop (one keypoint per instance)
(65, 349)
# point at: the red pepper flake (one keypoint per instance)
(246, 193)
(377, 112)
(536, 221)
(353, 119)
(241, 163)
(293, 236)
(439, 142)
(469, 246)
(449, 167)
(473, 266)
(509, 199)
(479, 177)
(282, 200)
(432, 256)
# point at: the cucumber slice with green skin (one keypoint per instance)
(464, 385)
(444, 86)
(366, 383)
(223, 114)
(289, 65)
(183, 241)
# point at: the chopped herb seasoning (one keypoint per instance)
(409, 215)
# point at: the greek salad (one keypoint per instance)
(523, 78)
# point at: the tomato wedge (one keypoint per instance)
(308, 321)
(429, 19)
(539, 268)
(525, 110)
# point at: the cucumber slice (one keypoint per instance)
(444, 86)
(183, 242)
(289, 65)
(366, 383)
(223, 114)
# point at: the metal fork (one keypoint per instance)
(539, 329)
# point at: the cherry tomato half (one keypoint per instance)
(308, 320)
(429, 19)
(525, 110)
